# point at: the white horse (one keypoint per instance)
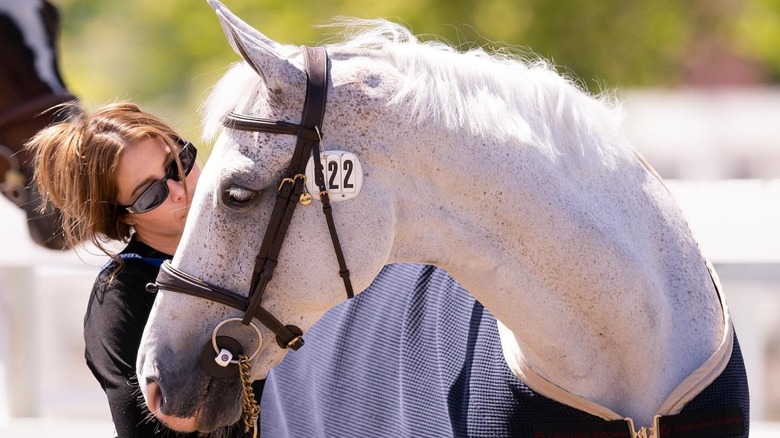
(499, 170)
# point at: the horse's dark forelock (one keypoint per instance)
(13, 48)
(51, 20)
(50, 15)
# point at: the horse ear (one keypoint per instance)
(267, 57)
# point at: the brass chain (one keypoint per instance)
(251, 410)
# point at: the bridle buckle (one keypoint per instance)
(295, 343)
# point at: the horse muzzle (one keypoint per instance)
(153, 396)
(202, 405)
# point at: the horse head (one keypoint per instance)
(30, 84)
(242, 185)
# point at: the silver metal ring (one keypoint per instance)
(219, 326)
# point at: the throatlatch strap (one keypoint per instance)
(327, 210)
(319, 173)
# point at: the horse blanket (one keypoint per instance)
(416, 356)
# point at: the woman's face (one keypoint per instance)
(140, 165)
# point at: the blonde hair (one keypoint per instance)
(76, 165)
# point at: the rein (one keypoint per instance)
(290, 192)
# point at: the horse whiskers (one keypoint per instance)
(160, 428)
(149, 416)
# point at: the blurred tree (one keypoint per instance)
(756, 32)
(165, 54)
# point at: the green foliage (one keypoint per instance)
(165, 54)
(757, 32)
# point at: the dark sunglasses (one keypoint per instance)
(157, 192)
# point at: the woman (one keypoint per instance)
(118, 175)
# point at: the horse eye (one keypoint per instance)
(237, 195)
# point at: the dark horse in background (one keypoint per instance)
(30, 85)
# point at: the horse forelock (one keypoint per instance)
(229, 94)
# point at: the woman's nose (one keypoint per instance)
(176, 190)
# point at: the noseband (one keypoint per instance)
(291, 190)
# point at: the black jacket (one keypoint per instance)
(117, 312)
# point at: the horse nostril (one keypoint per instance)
(153, 396)
(154, 400)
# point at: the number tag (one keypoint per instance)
(343, 175)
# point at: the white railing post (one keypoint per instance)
(19, 343)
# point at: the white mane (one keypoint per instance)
(502, 94)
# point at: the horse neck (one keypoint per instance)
(565, 255)
(511, 202)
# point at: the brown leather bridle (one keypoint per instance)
(291, 187)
